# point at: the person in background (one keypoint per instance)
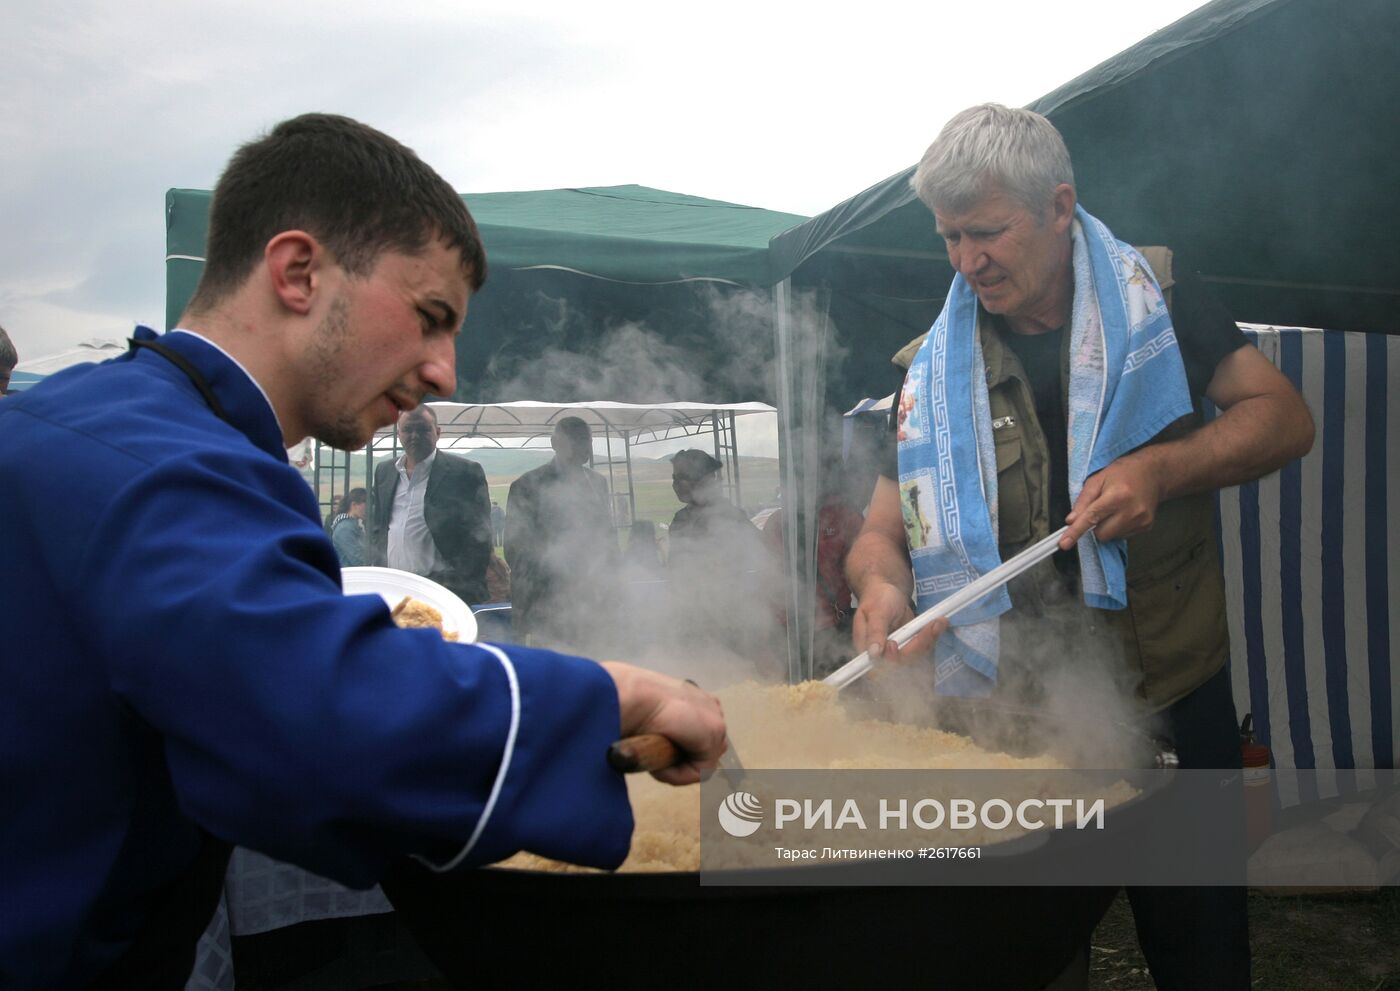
(642, 558)
(1060, 377)
(644, 592)
(721, 574)
(431, 513)
(560, 544)
(705, 516)
(181, 670)
(838, 525)
(497, 579)
(498, 523)
(347, 528)
(8, 360)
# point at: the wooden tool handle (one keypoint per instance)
(645, 752)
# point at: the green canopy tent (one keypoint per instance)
(582, 280)
(616, 293)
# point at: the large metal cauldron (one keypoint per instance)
(501, 928)
(506, 929)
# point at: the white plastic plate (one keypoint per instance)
(392, 585)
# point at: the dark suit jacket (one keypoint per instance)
(457, 509)
(562, 551)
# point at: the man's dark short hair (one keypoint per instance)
(423, 411)
(575, 428)
(354, 497)
(356, 190)
(693, 465)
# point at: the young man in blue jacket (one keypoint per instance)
(182, 672)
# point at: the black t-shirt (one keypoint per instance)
(1205, 333)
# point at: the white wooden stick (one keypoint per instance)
(992, 580)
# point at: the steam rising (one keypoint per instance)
(1062, 687)
(719, 350)
(719, 618)
(730, 615)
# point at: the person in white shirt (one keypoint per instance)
(431, 511)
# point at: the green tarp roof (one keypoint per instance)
(622, 233)
(629, 233)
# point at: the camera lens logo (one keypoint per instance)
(741, 814)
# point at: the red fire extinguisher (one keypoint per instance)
(1258, 785)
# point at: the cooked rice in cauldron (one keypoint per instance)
(794, 727)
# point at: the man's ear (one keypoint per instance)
(1062, 206)
(296, 263)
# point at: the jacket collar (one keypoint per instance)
(247, 405)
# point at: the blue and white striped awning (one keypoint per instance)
(1312, 566)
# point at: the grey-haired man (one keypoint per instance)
(1026, 313)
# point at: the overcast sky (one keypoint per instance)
(787, 106)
